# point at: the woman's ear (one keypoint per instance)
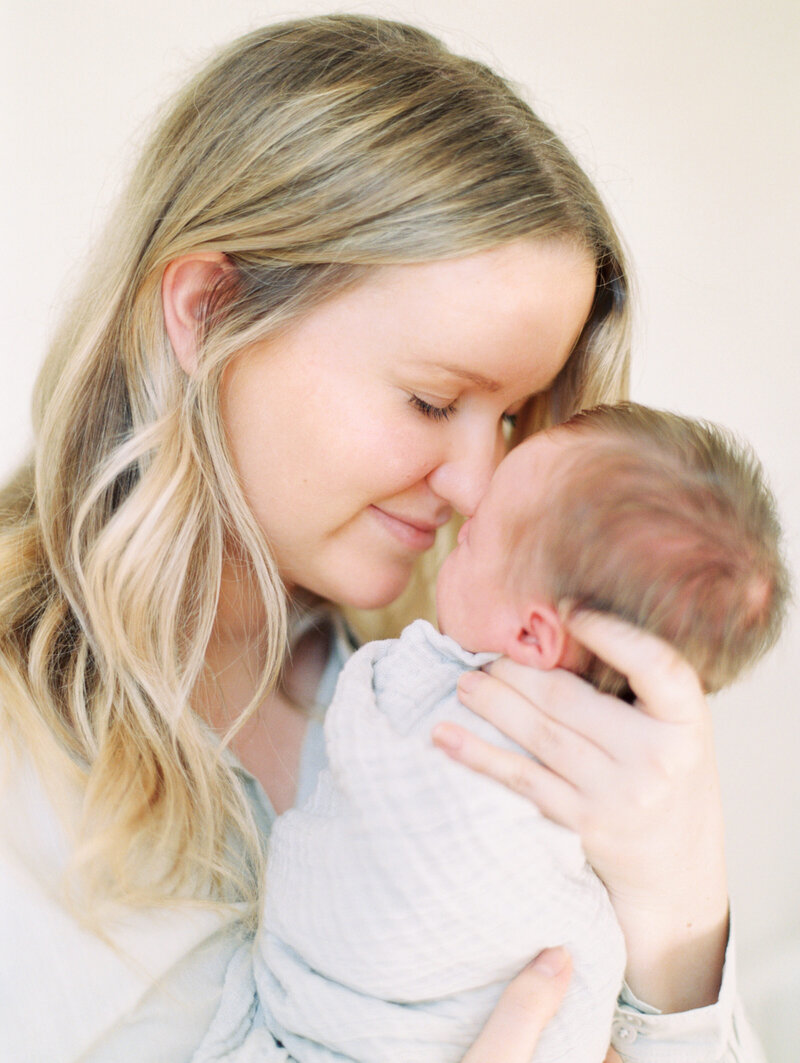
(542, 641)
(184, 293)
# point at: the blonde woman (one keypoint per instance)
(349, 270)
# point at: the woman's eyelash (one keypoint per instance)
(436, 413)
(442, 413)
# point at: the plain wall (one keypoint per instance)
(685, 115)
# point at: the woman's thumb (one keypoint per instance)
(528, 1003)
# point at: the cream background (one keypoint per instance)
(684, 112)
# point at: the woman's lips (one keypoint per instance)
(415, 534)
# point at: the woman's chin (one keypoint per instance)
(372, 600)
(374, 590)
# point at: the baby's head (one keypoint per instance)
(660, 519)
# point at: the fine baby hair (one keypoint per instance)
(667, 522)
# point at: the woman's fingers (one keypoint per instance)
(555, 797)
(529, 1002)
(612, 1057)
(512, 704)
(665, 683)
(557, 696)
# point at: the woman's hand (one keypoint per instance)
(523, 1011)
(638, 783)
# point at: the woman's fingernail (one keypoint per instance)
(551, 962)
(467, 681)
(447, 737)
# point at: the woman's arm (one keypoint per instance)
(638, 783)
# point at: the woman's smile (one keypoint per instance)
(416, 533)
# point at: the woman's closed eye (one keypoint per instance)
(442, 413)
(436, 413)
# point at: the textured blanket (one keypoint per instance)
(408, 891)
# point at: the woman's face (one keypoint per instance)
(359, 431)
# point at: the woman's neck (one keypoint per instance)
(270, 742)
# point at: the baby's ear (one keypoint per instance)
(541, 641)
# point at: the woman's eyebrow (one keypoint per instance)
(484, 382)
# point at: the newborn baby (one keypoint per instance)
(408, 890)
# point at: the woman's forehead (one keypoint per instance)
(503, 317)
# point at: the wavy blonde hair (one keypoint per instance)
(306, 153)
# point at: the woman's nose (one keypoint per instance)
(462, 478)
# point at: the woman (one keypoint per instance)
(347, 269)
